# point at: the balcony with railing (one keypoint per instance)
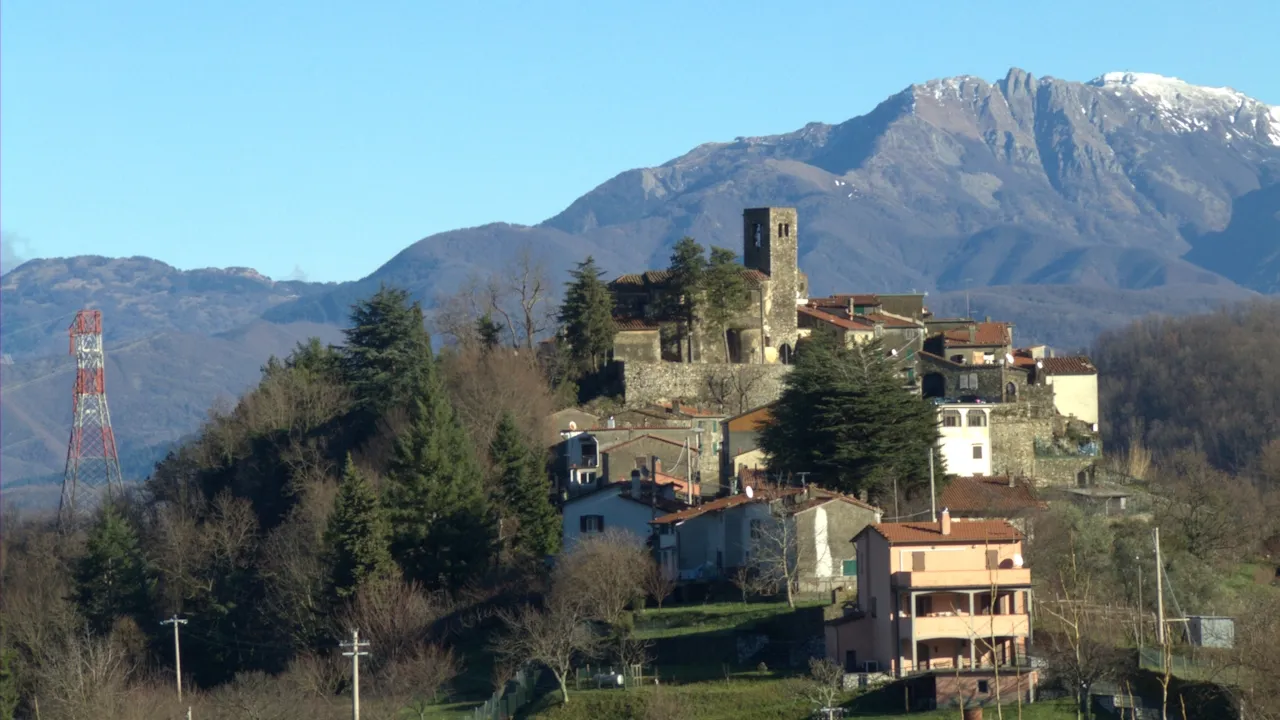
(926, 579)
(965, 626)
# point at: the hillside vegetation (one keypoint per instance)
(1204, 382)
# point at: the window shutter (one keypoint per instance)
(917, 562)
(850, 568)
(993, 559)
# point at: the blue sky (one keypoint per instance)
(323, 137)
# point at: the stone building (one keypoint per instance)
(655, 367)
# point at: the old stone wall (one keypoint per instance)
(737, 387)
(644, 346)
(1014, 429)
(946, 379)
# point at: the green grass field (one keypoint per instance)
(674, 621)
(744, 699)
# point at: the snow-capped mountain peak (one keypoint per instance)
(1186, 106)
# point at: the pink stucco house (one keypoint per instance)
(947, 602)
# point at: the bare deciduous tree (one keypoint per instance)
(81, 676)
(555, 637)
(521, 296)
(732, 386)
(396, 617)
(658, 583)
(825, 685)
(605, 571)
(775, 553)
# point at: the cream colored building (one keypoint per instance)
(1075, 386)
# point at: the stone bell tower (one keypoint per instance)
(770, 245)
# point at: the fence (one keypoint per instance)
(505, 702)
(606, 676)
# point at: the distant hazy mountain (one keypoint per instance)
(1066, 207)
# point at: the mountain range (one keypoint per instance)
(1064, 207)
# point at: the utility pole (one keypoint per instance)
(175, 621)
(1140, 612)
(1159, 591)
(357, 650)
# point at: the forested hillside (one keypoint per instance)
(1206, 382)
(372, 485)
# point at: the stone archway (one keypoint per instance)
(934, 385)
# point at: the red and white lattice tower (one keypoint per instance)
(93, 466)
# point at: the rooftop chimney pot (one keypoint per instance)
(944, 520)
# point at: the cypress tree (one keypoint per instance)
(726, 293)
(586, 316)
(111, 579)
(356, 536)
(526, 492)
(442, 529)
(845, 416)
(685, 290)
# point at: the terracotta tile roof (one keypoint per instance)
(1069, 366)
(822, 497)
(660, 277)
(725, 503)
(833, 319)
(634, 324)
(986, 333)
(962, 531)
(989, 495)
(892, 321)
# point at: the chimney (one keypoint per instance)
(657, 467)
(973, 333)
(1011, 482)
(988, 319)
(944, 521)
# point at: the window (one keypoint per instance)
(977, 452)
(755, 529)
(780, 232)
(924, 606)
(591, 523)
(758, 232)
(958, 359)
(950, 418)
(964, 381)
(977, 418)
(917, 562)
(984, 687)
(993, 559)
(850, 568)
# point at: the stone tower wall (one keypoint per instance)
(770, 244)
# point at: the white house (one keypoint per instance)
(622, 506)
(965, 438)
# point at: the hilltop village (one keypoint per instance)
(933, 583)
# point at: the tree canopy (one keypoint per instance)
(846, 418)
(586, 316)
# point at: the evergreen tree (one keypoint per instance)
(685, 290)
(387, 347)
(526, 492)
(586, 316)
(489, 332)
(111, 579)
(356, 536)
(441, 526)
(726, 293)
(845, 416)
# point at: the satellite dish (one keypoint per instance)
(1040, 364)
(893, 353)
(750, 492)
(1017, 560)
(1009, 357)
(573, 425)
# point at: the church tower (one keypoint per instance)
(770, 245)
